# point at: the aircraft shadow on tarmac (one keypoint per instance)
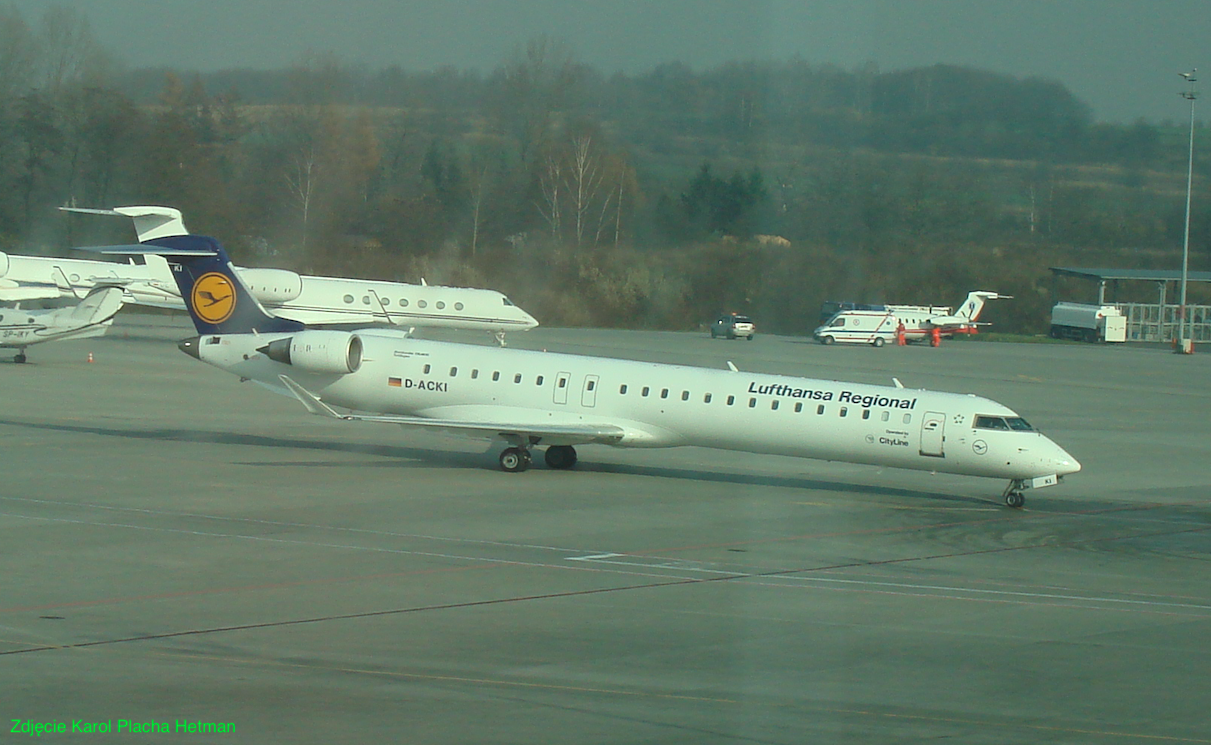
(436, 458)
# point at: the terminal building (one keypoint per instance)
(1157, 322)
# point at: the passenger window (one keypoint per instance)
(773, 405)
(866, 413)
(517, 378)
(645, 391)
(538, 380)
(907, 418)
(886, 415)
(685, 395)
(844, 411)
(706, 399)
(441, 305)
(454, 372)
(474, 374)
(365, 300)
(820, 409)
(403, 302)
(622, 389)
(458, 306)
(731, 400)
(563, 383)
(592, 385)
(348, 298)
(425, 369)
(798, 406)
(422, 304)
(664, 393)
(752, 403)
(496, 375)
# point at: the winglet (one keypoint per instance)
(731, 366)
(897, 382)
(309, 400)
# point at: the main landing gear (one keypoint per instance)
(516, 460)
(1013, 494)
(20, 358)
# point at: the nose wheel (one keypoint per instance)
(1013, 495)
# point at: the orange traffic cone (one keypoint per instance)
(90, 356)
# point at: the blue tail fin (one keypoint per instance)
(216, 298)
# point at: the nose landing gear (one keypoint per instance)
(1013, 494)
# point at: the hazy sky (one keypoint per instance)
(1121, 56)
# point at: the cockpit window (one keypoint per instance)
(1015, 423)
(507, 301)
(991, 422)
(1018, 424)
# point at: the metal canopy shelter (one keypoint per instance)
(1102, 276)
(1157, 322)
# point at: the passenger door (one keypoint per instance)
(933, 427)
(562, 383)
(588, 396)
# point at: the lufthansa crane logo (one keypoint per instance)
(213, 298)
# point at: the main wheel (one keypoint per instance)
(878, 342)
(1015, 499)
(560, 456)
(515, 460)
(20, 358)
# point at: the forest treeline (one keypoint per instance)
(651, 200)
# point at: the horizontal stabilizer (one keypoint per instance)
(140, 249)
(150, 221)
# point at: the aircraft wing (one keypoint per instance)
(585, 433)
(16, 293)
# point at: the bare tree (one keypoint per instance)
(302, 186)
(584, 178)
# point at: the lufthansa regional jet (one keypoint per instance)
(91, 317)
(308, 299)
(558, 401)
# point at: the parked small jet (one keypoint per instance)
(878, 324)
(91, 317)
(309, 299)
(559, 401)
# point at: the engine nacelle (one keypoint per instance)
(3, 263)
(331, 352)
(273, 286)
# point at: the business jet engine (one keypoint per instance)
(272, 286)
(329, 352)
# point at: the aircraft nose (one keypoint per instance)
(190, 346)
(1064, 462)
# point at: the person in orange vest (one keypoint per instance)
(935, 337)
(900, 341)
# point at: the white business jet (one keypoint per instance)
(316, 301)
(91, 317)
(558, 401)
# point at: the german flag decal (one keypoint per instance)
(395, 382)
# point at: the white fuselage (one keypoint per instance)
(659, 405)
(23, 328)
(307, 299)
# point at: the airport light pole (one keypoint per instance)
(1184, 344)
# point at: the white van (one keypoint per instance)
(874, 327)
